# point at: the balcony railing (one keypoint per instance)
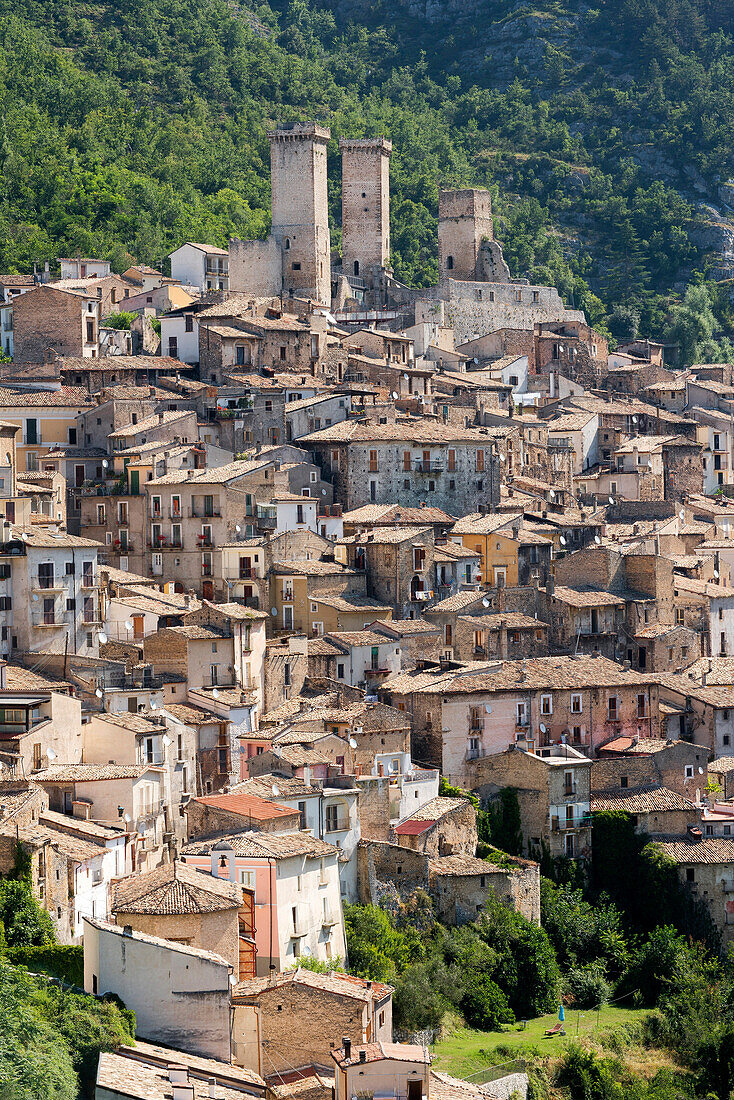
(49, 584)
(202, 513)
(51, 618)
(207, 570)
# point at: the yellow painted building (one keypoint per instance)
(48, 419)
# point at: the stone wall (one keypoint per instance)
(365, 204)
(255, 267)
(47, 319)
(204, 820)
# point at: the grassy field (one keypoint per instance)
(466, 1052)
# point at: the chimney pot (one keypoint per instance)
(347, 1044)
(127, 930)
(363, 1055)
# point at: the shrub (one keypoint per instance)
(484, 1004)
(588, 986)
(61, 960)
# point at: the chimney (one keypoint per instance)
(127, 930)
(182, 1092)
(177, 1074)
(363, 1055)
(160, 417)
(694, 833)
(380, 769)
(307, 776)
(213, 1090)
(347, 1044)
(550, 585)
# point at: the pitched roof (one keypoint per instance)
(246, 805)
(158, 941)
(378, 1052)
(536, 673)
(404, 429)
(461, 865)
(91, 773)
(263, 845)
(431, 812)
(709, 849)
(343, 985)
(174, 889)
(170, 416)
(641, 801)
(481, 523)
(585, 597)
(141, 1072)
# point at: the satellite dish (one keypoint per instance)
(102, 637)
(542, 728)
(681, 514)
(237, 528)
(634, 419)
(51, 754)
(34, 597)
(153, 705)
(276, 789)
(352, 743)
(166, 740)
(611, 500)
(323, 492)
(105, 463)
(273, 610)
(127, 818)
(394, 395)
(98, 693)
(502, 458)
(24, 536)
(215, 693)
(716, 574)
(563, 540)
(476, 359)
(597, 540)
(552, 494)
(488, 708)
(128, 625)
(405, 377)
(700, 771)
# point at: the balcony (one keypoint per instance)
(435, 466)
(203, 513)
(205, 542)
(207, 570)
(88, 580)
(51, 618)
(329, 920)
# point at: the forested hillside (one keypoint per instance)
(605, 133)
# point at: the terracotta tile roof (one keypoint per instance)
(642, 746)
(462, 865)
(403, 430)
(459, 601)
(262, 786)
(246, 805)
(586, 597)
(210, 248)
(299, 757)
(236, 611)
(132, 722)
(431, 812)
(18, 678)
(531, 674)
(396, 513)
(389, 535)
(65, 397)
(262, 845)
(343, 985)
(92, 773)
(78, 825)
(681, 684)
(641, 801)
(151, 1059)
(197, 632)
(404, 627)
(444, 1087)
(378, 1052)
(213, 475)
(719, 671)
(479, 523)
(709, 849)
(313, 569)
(191, 715)
(77, 849)
(169, 417)
(722, 765)
(350, 601)
(174, 889)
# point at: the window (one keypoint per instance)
(340, 671)
(679, 616)
(546, 704)
(688, 771)
(522, 714)
(419, 557)
(612, 708)
(576, 706)
(641, 705)
(282, 353)
(690, 874)
(90, 332)
(449, 263)
(480, 461)
(173, 346)
(332, 819)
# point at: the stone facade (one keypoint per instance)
(300, 208)
(50, 321)
(464, 222)
(675, 765)
(365, 205)
(204, 820)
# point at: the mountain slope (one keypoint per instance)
(605, 133)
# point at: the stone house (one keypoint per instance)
(508, 636)
(295, 588)
(147, 1070)
(286, 668)
(180, 994)
(410, 460)
(706, 867)
(553, 788)
(655, 811)
(305, 1011)
(570, 348)
(399, 563)
(628, 763)
(582, 619)
(701, 714)
(177, 902)
(48, 320)
(459, 884)
(228, 340)
(234, 810)
(418, 640)
(441, 827)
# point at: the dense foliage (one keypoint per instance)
(51, 1039)
(127, 128)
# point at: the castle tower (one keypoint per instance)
(365, 204)
(464, 221)
(300, 208)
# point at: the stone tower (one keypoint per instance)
(365, 205)
(464, 221)
(300, 208)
